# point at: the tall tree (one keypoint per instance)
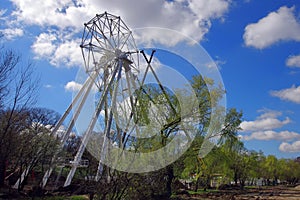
(271, 167)
(18, 89)
(37, 145)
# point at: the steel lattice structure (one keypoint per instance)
(111, 60)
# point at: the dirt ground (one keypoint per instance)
(277, 192)
(265, 193)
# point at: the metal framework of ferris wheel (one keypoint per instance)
(111, 61)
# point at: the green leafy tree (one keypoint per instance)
(170, 115)
(271, 167)
(254, 166)
(203, 169)
(234, 159)
(289, 171)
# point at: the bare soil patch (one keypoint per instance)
(265, 193)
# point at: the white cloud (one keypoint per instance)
(293, 61)
(58, 13)
(12, 33)
(290, 148)
(48, 86)
(290, 94)
(215, 64)
(189, 17)
(67, 53)
(209, 9)
(272, 135)
(261, 129)
(266, 121)
(43, 45)
(8, 31)
(59, 52)
(72, 86)
(267, 113)
(281, 25)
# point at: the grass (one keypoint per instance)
(75, 197)
(198, 192)
(201, 191)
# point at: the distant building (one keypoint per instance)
(297, 159)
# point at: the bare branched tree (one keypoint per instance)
(18, 92)
(8, 62)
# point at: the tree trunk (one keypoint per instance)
(242, 184)
(197, 184)
(2, 172)
(235, 179)
(170, 175)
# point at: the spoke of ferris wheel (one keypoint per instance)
(109, 121)
(135, 102)
(163, 89)
(111, 30)
(58, 124)
(21, 179)
(118, 31)
(105, 148)
(89, 130)
(102, 33)
(94, 48)
(70, 127)
(165, 94)
(78, 109)
(125, 41)
(149, 66)
(67, 112)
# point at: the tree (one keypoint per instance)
(199, 116)
(271, 167)
(149, 98)
(218, 160)
(289, 171)
(254, 166)
(8, 62)
(190, 164)
(18, 89)
(37, 144)
(232, 123)
(238, 161)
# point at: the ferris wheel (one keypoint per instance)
(116, 73)
(112, 63)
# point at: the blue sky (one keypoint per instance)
(256, 45)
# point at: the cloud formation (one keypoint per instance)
(272, 135)
(281, 25)
(72, 86)
(61, 21)
(266, 121)
(263, 128)
(290, 148)
(290, 94)
(293, 61)
(48, 86)
(58, 51)
(43, 45)
(12, 33)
